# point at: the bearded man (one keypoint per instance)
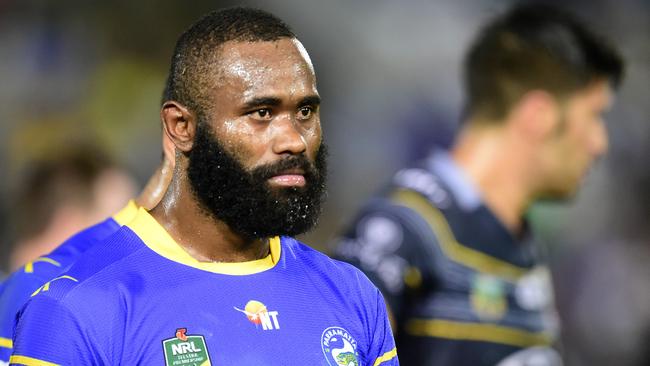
(211, 275)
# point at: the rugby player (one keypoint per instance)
(447, 240)
(22, 283)
(211, 275)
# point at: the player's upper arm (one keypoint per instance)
(382, 347)
(17, 291)
(48, 333)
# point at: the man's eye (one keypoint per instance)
(263, 113)
(305, 112)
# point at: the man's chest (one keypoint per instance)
(243, 324)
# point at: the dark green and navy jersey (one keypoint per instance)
(463, 290)
(140, 299)
(20, 286)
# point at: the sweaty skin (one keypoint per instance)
(157, 185)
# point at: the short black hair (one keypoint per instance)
(196, 51)
(534, 46)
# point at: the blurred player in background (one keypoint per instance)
(62, 193)
(210, 275)
(447, 241)
(81, 180)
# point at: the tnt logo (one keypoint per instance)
(186, 350)
(257, 314)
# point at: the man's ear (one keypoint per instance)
(179, 124)
(169, 148)
(536, 115)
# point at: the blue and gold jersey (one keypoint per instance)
(22, 283)
(140, 299)
(463, 290)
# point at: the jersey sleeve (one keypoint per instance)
(391, 245)
(14, 296)
(17, 291)
(48, 333)
(382, 347)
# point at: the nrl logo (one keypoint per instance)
(186, 350)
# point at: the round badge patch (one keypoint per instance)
(339, 347)
(488, 297)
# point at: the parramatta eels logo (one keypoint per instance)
(339, 347)
(186, 350)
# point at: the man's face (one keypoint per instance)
(257, 162)
(580, 140)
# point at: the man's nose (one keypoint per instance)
(288, 137)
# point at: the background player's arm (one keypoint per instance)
(387, 244)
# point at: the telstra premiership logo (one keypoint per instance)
(185, 349)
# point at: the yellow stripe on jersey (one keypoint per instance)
(29, 267)
(476, 332)
(46, 286)
(29, 361)
(6, 343)
(456, 251)
(159, 240)
(386, 357)
(126, 214)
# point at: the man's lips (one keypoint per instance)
(289, 178)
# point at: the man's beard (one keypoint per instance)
(244, 200)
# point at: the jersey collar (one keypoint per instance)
(126, 214)
(465, 192)
(158, 239)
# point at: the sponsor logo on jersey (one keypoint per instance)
(488, 297)
(339, 347)
(257, 313)
(185, 349)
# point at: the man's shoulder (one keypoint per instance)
(47, 267)
(408, 201)
(399, 221)
(86, 237)
(424, 180)
(334, 271)
(39, 274)
(308, 256)
(108, 260)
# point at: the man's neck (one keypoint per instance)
(204, 237)
(499, 169)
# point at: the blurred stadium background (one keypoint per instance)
(92, 72)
